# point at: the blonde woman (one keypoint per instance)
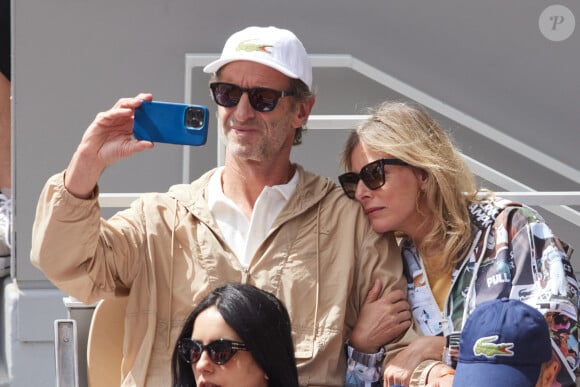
(460, 245)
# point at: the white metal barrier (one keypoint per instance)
(555, 202)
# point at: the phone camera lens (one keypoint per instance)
(194, 117)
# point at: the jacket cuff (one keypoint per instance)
(365, 366)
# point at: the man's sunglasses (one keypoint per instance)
(220, 351)
(261, 99)
(372, 174)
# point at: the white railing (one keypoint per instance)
(348, 61)
(533, 198)
(555, 202)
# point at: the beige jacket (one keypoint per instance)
(320, 259)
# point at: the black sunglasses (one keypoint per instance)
(372, 174)
(261, 99)
(220, 351)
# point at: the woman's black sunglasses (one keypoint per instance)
(372, 174)
(220, 351)
(261, 99)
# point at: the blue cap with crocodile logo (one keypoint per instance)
(503, 343)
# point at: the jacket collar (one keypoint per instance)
(311, 190)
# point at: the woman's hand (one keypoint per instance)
(399, 369)
(381, 320)
(441, 376)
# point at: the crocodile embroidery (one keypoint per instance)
(250, 47)
(485, 346)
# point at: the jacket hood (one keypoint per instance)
(310, 190)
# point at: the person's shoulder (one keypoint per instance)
(323, 187)
(491, 209)
(513, 208)
(332, 196)
(183, 192)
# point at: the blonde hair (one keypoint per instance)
(405, 131)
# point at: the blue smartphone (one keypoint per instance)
(172, 123)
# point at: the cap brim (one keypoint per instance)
(219, 63)
(494, 374)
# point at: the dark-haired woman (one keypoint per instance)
(238, 335)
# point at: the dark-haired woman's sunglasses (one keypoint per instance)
(372, 174)
(261, 99)
(220, 351)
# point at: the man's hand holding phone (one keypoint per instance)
(172, 123)
(108, 139)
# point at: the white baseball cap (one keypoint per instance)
(277, 48)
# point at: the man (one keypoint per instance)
(260, 219)
(506, 343)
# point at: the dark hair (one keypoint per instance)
(263, 324)
(301, 92)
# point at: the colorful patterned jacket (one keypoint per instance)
(516, 255)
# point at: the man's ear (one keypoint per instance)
(303, 109)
